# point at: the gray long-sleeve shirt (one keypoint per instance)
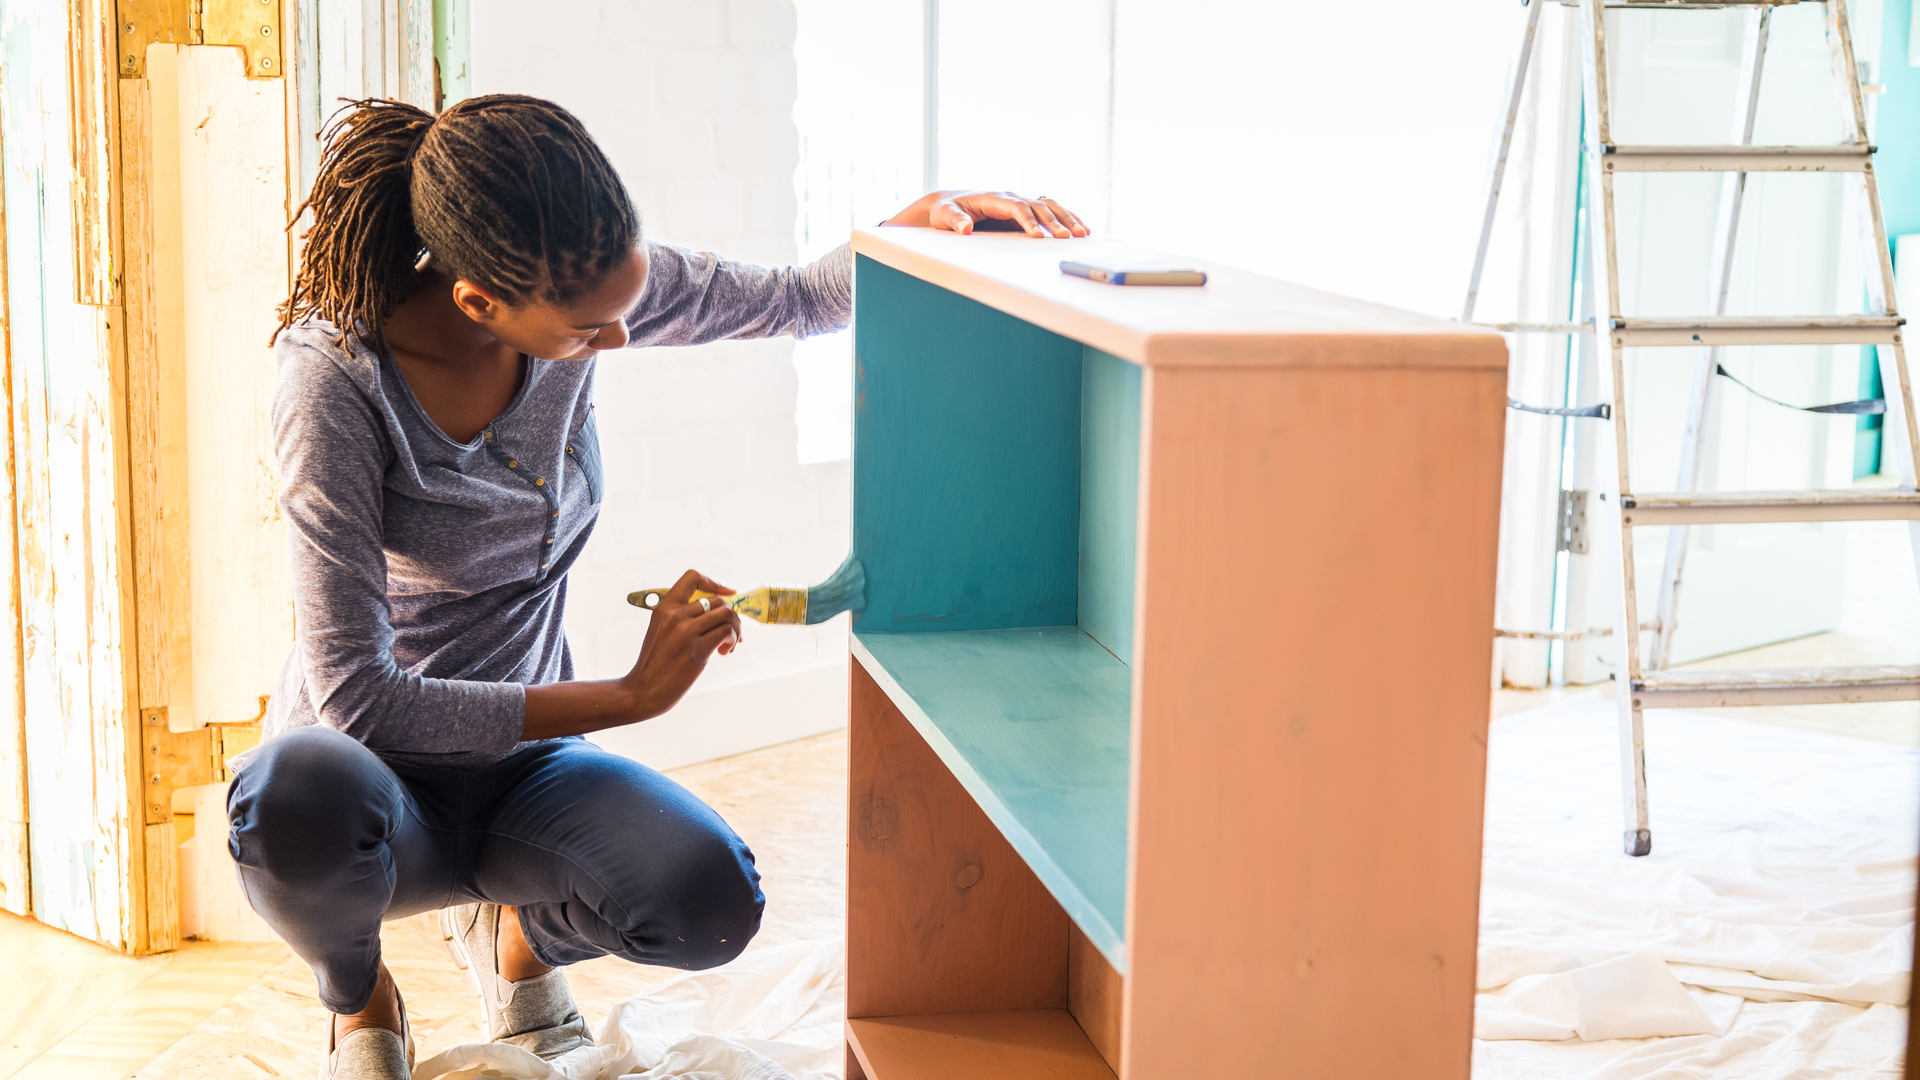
(429, 576)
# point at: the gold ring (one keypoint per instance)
(706, 604)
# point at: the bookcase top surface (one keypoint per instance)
(1237, 318)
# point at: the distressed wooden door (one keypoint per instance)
(63, 665)
(147, 187)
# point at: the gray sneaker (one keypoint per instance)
(538, 1014)
(369, 1053)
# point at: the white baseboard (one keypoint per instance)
(736, 719)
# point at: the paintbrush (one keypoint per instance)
(785, 605)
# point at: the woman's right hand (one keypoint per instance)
(681, 637)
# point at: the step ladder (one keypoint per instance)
(1649, 684)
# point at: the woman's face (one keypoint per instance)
(575, 331)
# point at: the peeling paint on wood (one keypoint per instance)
(68, 453)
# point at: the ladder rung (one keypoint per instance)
(1734, 507)
(1852, 157)
(1778, 686)
(1756, 330)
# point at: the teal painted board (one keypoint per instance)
(1109, 498)
(1035, 725)
(966, 461)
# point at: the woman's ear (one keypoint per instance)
(477, 303)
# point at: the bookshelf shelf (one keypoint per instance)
(1034, 724)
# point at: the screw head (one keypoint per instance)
(266, 61)
(266, 31)
(129, 28)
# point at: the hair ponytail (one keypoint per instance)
(506, 191)
(358, 262)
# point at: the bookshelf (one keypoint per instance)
(1169, 700)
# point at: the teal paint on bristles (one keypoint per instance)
(785, 605)
(844, 590)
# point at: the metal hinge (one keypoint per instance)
(1570, 532)
(254, 26)
(171, 760)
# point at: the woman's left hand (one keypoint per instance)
(959, 210)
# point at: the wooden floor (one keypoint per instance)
(70, 1010)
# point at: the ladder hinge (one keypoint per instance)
(1570, 533)
(254, 26)
(171, 760)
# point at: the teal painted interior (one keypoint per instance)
(995, 506)
(1109, 498)
(966, 461)
(1034, 724)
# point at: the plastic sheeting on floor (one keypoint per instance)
(773, 1014)
(1769, 935)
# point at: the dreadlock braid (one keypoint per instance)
(506, 191)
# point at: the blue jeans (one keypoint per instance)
(603, 855)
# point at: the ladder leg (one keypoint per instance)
(1605, 283)
(1500, 160)
(1637, 839)
(1693, 448)
(1638, 834)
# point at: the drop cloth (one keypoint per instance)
(773, 1014)
(1767, 937)
(1778, 902)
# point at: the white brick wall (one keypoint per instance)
(693, 101)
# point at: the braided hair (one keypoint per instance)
(506, 191)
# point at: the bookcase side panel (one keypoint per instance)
(942, 914)
(966, 461)
(1309, 786)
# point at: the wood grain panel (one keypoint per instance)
(942, 916)
(1030, 1044)
(162, 888)
(1306, 835)
(149, 506)
(1095, 994)
(233, 191)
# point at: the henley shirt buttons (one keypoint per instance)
(537, 482)
(513, 464)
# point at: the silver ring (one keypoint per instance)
(705, 604)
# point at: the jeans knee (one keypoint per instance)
(309, 798)
(715, 904)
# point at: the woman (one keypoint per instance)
(440, 473)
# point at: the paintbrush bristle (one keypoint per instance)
(844, 590)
